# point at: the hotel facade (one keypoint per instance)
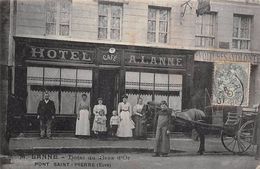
(157, 50)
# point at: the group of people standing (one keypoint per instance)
(126, 122)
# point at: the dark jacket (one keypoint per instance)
(46, 111)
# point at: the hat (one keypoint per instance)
(100, 98)
(164, 102)
(84, 94)
(125, 96)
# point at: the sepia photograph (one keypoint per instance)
(130, 84)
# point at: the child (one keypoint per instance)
(114, 122)
(100, 124)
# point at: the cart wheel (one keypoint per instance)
(231, 143)
(245, 134)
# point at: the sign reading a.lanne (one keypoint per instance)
(40, 53)
(139, 59)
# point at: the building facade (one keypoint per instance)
(159, 50)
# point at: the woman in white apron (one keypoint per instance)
(83, 116)
(126, 123)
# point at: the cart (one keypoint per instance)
(237, 133)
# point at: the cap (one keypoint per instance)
(164, 102)
(125, 96)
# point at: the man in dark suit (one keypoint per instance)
(46, 112)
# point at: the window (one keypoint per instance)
(154, 86)
(64, 85)
(58, 17)
(158, 25)
(109, 21)
(241, 31)
(205, 30)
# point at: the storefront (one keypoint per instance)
(233, 80)
(68, 69)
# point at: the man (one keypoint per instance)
(162, 136)
(46, 112)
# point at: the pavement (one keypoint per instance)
(185, 146)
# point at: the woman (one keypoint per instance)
(162, 136)
(139, 119)
(96, 111)
(126, 123)
(83, 116)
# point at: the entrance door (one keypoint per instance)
(108, 89)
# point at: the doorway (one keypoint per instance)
(109, 89)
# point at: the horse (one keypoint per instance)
(187, 118)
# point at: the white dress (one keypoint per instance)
(96, 109)
(82, 123)
(126, 124)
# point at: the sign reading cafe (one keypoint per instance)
(61, 54)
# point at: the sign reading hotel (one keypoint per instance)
(54, 54)
(231, 84)
(172, 61)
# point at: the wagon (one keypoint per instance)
(237, 133)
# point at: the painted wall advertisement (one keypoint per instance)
(231, 83)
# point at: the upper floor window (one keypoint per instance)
(109, 21)
(58, 17)
(205, 30)
(158, 25)
(241, 31)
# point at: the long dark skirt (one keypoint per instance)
(162, 141)
(140, 130)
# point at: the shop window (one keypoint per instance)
(154, 87)
(58, 17)
(205, 30)
(64, 85)
(241, 32)
(109, 21)
(158, 25)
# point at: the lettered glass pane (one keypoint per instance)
(164, 15)
(116, 11)
(51, 28)
(115, 34)
(151, 14)
(102, 21)
(103, 9)
(64, 30)
(102, 33)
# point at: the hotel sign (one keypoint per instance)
(218, 56)
(171, 61)
(55, 54)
